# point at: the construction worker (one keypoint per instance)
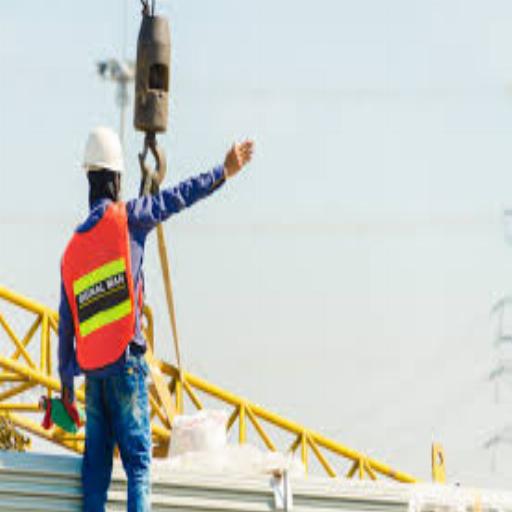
(100, 313)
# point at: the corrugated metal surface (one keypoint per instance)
(35, 482)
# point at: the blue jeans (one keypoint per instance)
(118, 412)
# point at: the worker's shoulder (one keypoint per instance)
(95, 215)
(139, 213)
(134, 205)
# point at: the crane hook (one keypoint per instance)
(152, 178)
(146, 11)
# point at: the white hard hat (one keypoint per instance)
(103, 151)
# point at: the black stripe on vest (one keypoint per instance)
(102, 296)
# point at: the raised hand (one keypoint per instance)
(238, 156)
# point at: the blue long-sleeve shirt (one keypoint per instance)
(143, 214)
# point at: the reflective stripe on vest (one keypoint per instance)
(102, 296)
(97, 276)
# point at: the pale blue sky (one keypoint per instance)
(359, 255)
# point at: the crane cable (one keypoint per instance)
(166, 274)
(151, 180)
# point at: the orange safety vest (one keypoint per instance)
(96, 271)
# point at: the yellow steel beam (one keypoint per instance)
(353, 469)
(266, 439)
(54, 322)
(44, 344)
(320, 456)
(49, 435)
(168, 369)
(52, 383)
(242, 429)
(381, 468)
(11, 377)
(290, 426)
(35, 376)
(16, 390)
(232, 419)
(161, 388)
(182, 382)
(192, 395)
(369, 470)
(304, 450)
(438, 464)
(155, 410)
(162, 433)
(16, 341)
(19, 407)
(271, 417)
(66, 436)
(178, 390)
(28, 336)
(45, 355)
(213, 390)
(293, 427)
(295, 444)
(23, 302)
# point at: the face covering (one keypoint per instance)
(103, 184)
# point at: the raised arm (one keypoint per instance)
(148, 211)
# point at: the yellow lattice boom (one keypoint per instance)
(26, 367)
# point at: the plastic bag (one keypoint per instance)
(244, 459)
(204, 431)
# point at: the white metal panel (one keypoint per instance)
(36, 482)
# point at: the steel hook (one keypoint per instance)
(152, 178)
(145, 7)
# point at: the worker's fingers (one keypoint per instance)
(245, 157)
(238, 156)
(247, 145)
(246, 148)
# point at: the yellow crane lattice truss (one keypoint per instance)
(26, 367)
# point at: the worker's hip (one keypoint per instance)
(122, 396)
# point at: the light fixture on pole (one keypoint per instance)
(122, 73)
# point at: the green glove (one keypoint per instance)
(65, 415)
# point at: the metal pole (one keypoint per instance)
(124, 93)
